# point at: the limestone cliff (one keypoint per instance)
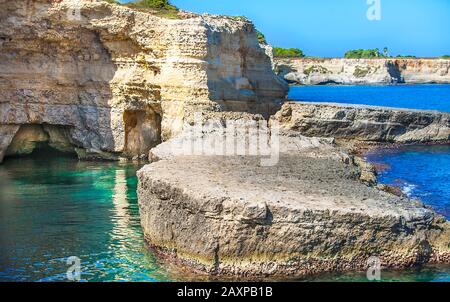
(104, 80)
(363, 71)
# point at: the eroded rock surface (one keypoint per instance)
(363, 71)
(7, 133)
(365, 123)
(121, 80)
(230, 215)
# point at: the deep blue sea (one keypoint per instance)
(426, 97)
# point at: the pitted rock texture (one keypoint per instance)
(230, 216)
(365, 123)
(363, 71)
(119, 81)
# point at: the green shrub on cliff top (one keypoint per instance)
(445, 57)
(364, 54)
(279, 52)
(406, 57)
(154, 4)
(163, 8)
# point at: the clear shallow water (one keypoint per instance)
(426, 97)
(52, 208)
(430, 273)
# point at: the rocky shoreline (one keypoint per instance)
(364, 123)
(230, 216)
(318, 210)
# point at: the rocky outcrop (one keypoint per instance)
(231, 216)
(115, 81)
(363, 71)
(317, 209)
(364, 123)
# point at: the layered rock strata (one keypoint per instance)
(364, 123)
(363, 71)
(115, 81)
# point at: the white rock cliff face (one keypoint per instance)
(363, 71)
(115, 82)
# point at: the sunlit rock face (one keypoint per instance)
(120, 81)
(363, 71)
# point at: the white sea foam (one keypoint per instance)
(408, 189)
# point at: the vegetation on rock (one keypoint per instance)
(406, 57)
(162, 8)
(315, 69)
(261, 37)
(364, 54)
(279, 52)
(239, 18)
(361, 72)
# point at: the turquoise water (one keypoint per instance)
(426, 97)
(54, 207)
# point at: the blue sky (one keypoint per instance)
(328, 28)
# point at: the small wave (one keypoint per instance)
(408, 189)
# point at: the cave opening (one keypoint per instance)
(44, 150)
(142, 131)
(42, 141)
